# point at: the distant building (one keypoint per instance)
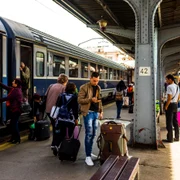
(105, 49)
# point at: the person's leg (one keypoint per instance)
(15, 119)
(169, 120)
(176, 127)
(95, 126)
(88, 123)
(118, 109)
(70, 127)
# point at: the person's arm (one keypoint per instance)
(169, 97)
(100, 105)
(5, 87)
(82, 96)
(26, 74)
(10, 96)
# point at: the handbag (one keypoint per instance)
(119, 96)
(54, 112)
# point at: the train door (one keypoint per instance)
(40, 69)
(26, 56)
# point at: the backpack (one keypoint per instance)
(112, 140)
(130, 89)
(65, 113)
(119, 96)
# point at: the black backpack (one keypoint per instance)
(64, 112)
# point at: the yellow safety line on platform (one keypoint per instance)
(7, 145)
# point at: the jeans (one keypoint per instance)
(91, 125)
(119, 107)
(171, 120)
(14, 126)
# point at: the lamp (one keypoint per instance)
(102, 24)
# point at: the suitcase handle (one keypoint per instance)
(111, 122)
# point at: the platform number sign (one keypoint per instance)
(144, 71)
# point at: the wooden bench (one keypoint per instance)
(118, 168)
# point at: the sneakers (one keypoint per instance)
(89, 161)
(94, 157)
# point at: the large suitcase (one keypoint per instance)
(69, 147)
(112, 140)
(42, 130)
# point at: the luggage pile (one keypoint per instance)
(112, 140)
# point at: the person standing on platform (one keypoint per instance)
(91, 108)
(119, 97)
(173, 95)
(25, 78)
(52, 94)
(13, 102)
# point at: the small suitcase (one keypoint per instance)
(42, 130)
(69, 147)
(112, 140)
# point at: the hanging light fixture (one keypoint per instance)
(102, 24)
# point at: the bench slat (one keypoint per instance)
(117, 168)
(103, 170)
(131, 169)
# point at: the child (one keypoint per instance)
(37, 115)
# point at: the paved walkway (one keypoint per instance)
(34, 160)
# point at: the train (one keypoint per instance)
(47, 57)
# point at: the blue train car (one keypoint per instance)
(47, 57)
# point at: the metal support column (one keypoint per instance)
(145, 78)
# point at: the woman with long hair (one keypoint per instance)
(119, 97)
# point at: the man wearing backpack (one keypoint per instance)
(91, 108)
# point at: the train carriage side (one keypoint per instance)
(3, 69)
(77, 63)
(20, 48)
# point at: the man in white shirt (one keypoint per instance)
(171, 109)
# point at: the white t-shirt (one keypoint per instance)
(173, 90)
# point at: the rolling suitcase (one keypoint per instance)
(112, 140)
(42, 130)
(69, 147)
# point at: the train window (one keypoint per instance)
(110, 73)
(58, 65)
(92, 68)
(40, 64)
(118, 74)
(100, 70)
(84, 69)
(105, 73)
(73, 67)
(114, 74)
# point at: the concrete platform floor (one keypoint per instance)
(33, 160)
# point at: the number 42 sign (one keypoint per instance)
(144, 71)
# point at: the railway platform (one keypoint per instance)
(34, 159)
